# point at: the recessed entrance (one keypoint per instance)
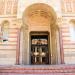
(39, 48)
(37, 19)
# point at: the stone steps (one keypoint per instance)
(38, 70)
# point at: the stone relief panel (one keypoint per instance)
(68, 6)
(8, 7)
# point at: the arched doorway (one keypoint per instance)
(40, 18)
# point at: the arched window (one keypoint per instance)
(72, 29)
(5, 30)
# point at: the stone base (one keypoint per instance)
(38, 70)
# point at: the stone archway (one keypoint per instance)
(40, 17)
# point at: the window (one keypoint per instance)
(5, 30)
(72, 30)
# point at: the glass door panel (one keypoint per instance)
(39, 49)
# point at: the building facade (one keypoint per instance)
(37, 32)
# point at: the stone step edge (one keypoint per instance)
(38, 69)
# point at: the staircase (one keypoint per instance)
(38, 70)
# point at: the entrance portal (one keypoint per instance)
(38, 20)
(39, 48)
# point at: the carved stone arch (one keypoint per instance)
(31, 17)
(42, 9)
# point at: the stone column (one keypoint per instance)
(25, 55)
(53, 45)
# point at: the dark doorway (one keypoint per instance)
(39, 48)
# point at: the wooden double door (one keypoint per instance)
(39, 53)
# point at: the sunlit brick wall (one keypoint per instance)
(8, 11)
(68, 13)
